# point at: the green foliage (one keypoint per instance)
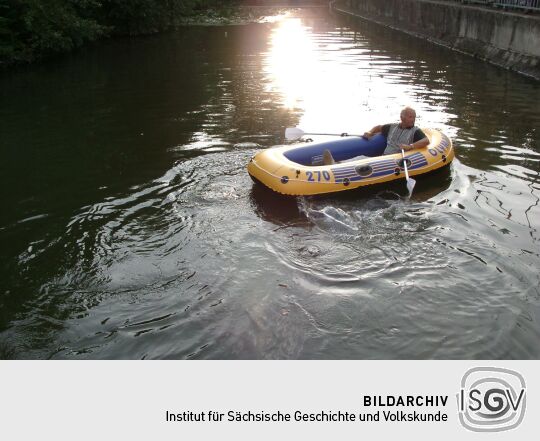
(138, 16)
(133, 17)
(33, 29)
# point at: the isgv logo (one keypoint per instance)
(491, 399)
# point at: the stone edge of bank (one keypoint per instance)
(509, 40)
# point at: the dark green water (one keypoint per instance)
(130, 229)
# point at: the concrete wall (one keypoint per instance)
(507, 39)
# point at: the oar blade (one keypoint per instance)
(292, 133)
(410, 185)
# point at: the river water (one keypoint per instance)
(130, 228)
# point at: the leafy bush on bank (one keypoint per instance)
(35, 29)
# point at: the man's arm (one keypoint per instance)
(382, 128)
(420, 140)
(416, 145)
(372, 132)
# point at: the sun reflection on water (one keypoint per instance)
(291, 58)
(341, 84)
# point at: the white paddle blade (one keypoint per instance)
(410, 185)
(292, 133)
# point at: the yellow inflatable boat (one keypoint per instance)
(298, 170)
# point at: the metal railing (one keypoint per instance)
(522, 5)
(518, 4)
(478, 2)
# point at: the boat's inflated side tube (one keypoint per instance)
(341, 149)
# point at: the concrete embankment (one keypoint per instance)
(506, 39)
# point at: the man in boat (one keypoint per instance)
(403, 136)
